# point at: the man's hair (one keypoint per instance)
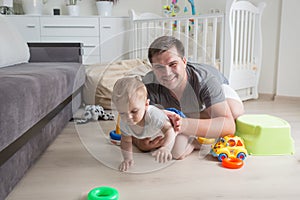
(126, 88)
(164, 43)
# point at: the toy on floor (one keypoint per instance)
(203, 140)
(115, 135)
(103, 193)
(94, 113)
(265, 134)
(232, 163)
(230, 150)
(180, 113)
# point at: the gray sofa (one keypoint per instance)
(37, 99)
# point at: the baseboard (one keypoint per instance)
(266, 97)
(286, 98)
(274, 97)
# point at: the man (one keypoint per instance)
(199, 91)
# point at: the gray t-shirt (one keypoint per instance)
(154, 121)
(203, 90)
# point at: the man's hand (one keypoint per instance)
(147, 144)
(175, 120)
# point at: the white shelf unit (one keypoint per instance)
(104, 39)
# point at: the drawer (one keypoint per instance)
(114, 33)
(111, 27)
(69, 26)
(90, 44)
(29, 27)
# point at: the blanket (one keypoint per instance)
(100, 79)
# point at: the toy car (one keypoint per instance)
(229, 146)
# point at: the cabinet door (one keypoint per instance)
(114, 44)
(74, 29)
(69, 26)
(29, 27)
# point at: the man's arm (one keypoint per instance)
(218, 122)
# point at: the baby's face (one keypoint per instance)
(133, 112)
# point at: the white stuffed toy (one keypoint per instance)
(94, 113)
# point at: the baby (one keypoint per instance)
(140, 120)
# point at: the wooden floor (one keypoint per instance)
(77, 162)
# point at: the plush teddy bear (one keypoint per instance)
(94, 113)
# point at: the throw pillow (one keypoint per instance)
(13, 48)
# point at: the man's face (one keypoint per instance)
(169, 69)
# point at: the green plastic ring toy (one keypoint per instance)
(103, 193)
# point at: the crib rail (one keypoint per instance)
(244, 42)
(201, 35)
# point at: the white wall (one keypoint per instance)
(274, 76)
(88, 7)
(271, 35)
(288, 82)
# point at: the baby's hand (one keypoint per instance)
(162, 155)
(124, 166)
(175, 120)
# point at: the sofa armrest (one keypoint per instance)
(55, 52)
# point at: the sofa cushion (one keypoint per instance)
(28, 92)
(13, 48)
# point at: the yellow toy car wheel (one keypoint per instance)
(222, 156)
(241, 156)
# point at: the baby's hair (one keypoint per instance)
(126, 88)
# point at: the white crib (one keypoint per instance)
(230, 41)
(243, 42)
